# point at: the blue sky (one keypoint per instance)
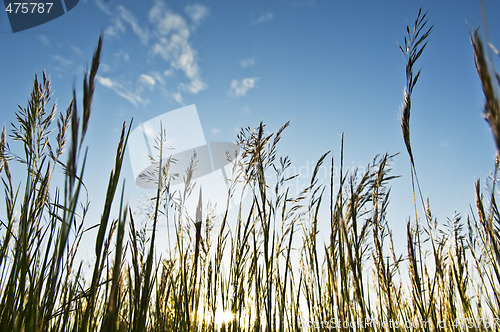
(330, 67)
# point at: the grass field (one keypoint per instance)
(269, 272)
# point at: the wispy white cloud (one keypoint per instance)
(178, 98)
(116, 28)
(76, 50)
(173, 45)
(248, 62)
(167, 35)
(158, 77)
(107, 82)
(196, 12)
(147, 80)
(168, 22)
(129, 18)
(103, 7)
(267, 16)
(121, 17)
(240, 88)
(121, 91)
(62, 61)
(121, 56)
(493, 48)
(104, 67)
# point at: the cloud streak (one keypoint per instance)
(121, 91)
(265, 17)
(173, 46)
(167, 36)
(129, 18)
(249, 62)
(147, 80)
(196, 12)
(240, 88)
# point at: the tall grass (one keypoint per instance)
(262, 268)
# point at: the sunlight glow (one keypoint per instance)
(222, 317)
